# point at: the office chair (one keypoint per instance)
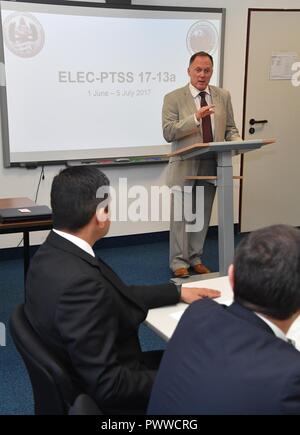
(54, 393)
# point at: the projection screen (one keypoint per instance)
(83, 82)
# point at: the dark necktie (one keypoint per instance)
(206, 122)
(291, 342)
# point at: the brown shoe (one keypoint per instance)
(182, 272)
(200, 268)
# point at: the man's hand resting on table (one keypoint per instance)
(191, 294)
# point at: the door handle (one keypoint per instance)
(254, 121)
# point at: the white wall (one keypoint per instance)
(235, 37)
(21, 182)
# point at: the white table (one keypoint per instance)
(164, 320)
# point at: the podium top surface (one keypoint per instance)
(213, 148)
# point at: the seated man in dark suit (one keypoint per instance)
(83, 310)
(237, 359)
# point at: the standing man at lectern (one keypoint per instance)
(196, 113)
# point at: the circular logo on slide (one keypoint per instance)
(23, 34)
(202, 36)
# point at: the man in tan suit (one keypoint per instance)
(193, 114)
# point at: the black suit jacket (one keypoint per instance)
(82, 309)
(226, 361)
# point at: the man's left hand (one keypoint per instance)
(191, 294)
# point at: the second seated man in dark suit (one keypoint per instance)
(83, 310)
(237, 359)
(196, 113)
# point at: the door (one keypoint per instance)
(271, 184)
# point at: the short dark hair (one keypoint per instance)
(267, 271)
(201, 54)
(73, 196)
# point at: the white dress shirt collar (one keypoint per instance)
(277, 331)
(82, 244)
(195, 92)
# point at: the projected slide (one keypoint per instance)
(89, 82)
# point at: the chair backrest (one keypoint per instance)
(84, 405)
(53, 390)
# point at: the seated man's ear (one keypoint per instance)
(102, 214)
(231, 275)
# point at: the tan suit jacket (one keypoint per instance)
(179, 127)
